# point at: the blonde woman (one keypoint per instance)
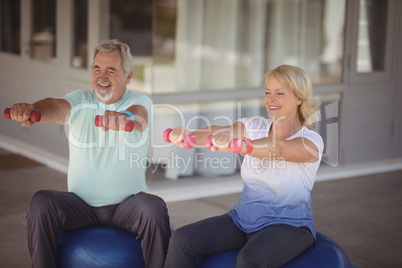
(272, 223)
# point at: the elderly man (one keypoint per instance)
(103, 187)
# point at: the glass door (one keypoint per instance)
(372, 41)
(43, 31)
(38, 30)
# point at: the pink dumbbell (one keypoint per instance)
(208, 142)
(35, 115)
(129, 125)
(235, 145)
(189, 140)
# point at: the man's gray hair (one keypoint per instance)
(112, 45)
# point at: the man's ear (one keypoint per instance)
(129, 76)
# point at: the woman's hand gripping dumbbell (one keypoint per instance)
(235, 145)
(188, 141)
(117, 123)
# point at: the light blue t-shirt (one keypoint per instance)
(275, 192)
(105, 167)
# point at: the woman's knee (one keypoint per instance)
(181, 238)
(245, 258)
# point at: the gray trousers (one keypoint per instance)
(142, 213)
(273, 246)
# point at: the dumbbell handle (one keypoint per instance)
(188, 141)
(129, 125)
(35, 115)
(235, 145)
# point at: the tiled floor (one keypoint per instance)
(362, 214)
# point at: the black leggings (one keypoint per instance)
(273, 246)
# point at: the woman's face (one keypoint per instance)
(281, 102)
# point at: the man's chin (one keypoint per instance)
(104, 97)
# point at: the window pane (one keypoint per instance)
(308, 34)
(80, 42)
(10, 26)
(219, 44)
(371, 37)
(206, 45)
(44, 30)
(165, 30)
(131, 22)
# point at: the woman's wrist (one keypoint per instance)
(247, 146)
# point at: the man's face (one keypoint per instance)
(108, 78)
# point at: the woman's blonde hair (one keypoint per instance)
(297, 80)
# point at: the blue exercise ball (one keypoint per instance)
(99, 247)
(323, 253)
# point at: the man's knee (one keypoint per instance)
(41, 199)
(40, 206)
(151, 205)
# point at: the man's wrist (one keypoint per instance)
(129, 113)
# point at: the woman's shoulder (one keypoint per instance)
(311, 135)
(305, 131)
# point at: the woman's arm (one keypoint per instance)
(222, 135)
(297, 150)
